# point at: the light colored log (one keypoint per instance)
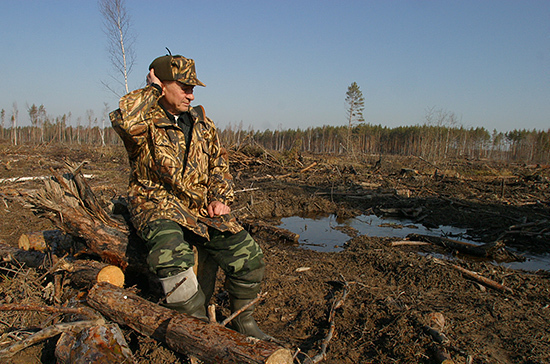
(408, 242)
(308, 167)
(86, 273)
(111, 274)
(33, 241)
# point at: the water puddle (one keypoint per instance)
(328, 234)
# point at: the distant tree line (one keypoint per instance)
(429, 141)
(61, 129)
(435, 141)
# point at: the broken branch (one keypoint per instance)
(47, 333)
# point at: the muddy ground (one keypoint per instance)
(393, 292)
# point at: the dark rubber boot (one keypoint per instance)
(193, 306)
(244, 322)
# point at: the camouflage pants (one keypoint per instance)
(171, 251)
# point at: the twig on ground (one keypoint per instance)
(247, 189)
(477, 277)
(332, 325)
(57, 263)
(212, 313)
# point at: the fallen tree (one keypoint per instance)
(82, 273)
(78, 213)
(210, 342)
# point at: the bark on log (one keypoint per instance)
(97, 344)
(108, 243)
(209, 342)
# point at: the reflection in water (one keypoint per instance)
(327, 234)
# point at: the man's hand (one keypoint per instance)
(151, 78)
(217, 208)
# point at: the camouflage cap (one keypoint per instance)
(176, 68)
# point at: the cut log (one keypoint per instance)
(209, 342)
(86, 273)
(82, 273)
(485, 250)
(33, 241)
(55, 241)
(12, 254)
(97, 344)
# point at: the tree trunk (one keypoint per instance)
(210, 342)
(107, 242)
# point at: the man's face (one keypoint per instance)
(177, 97)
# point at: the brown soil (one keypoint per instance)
(391, 291)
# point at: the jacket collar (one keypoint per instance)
(163, 119)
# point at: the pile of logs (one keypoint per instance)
(93, 249)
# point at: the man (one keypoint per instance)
(179, 194)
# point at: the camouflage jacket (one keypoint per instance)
(161, 187)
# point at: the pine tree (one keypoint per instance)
(356, 105)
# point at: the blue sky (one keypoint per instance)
(288, 64)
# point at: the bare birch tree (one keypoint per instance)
(104, 118)
(117, 27)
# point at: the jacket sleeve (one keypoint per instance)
(220, 181)
(130, 120)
